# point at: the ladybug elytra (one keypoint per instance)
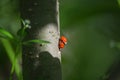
(62, 42)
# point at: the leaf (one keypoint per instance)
(23, 22)
(30, 42)
(118, 2)
(1, 36)
(11, 54)
(5, 34)
(21, 32)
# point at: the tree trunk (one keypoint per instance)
(41, 62)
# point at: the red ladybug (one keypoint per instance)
(62, 42)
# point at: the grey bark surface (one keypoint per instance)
(41, 62)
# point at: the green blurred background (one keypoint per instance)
(93, 31)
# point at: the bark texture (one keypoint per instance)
(41, 62)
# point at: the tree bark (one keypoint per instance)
(41, 62)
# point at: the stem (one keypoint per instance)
(11, 54)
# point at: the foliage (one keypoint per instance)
(8, 39)
(93, 30)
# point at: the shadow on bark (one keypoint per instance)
(45, 67)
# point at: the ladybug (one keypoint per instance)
(62, 42)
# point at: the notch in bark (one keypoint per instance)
(41, 62)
